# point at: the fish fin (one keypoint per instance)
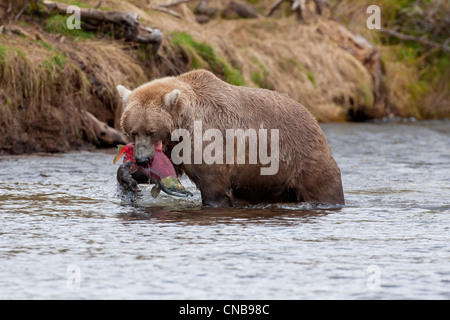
(159, 146)
(173, 187)
(116, 158)
(121, 152)
(155, 191)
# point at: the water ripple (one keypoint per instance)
(66, 232)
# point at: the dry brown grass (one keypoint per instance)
(33, 83)
(300, 62)
(45, 85)
(283, 55)
(276, 53)
(105, 64)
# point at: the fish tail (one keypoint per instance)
(121, 149)
(155, 191)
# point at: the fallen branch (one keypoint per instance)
(204, 10)
(104, 134)
(173, 4)
(165, 10)
(98, 4)
(273, 7)
(22, 11)
(14, 30)
(296, 5)
(133, 31)
(421, 40)
(242, 9)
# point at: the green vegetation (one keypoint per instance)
(48, 76)
(58, 24)
(2, 53)
(417, 75)
(55, 63)
(46, 45)
(308, 73)
(259, 77)
(422, 19)
(201, 55)
(290, 64)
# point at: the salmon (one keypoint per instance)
(160, 170)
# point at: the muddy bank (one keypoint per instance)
(57, 86)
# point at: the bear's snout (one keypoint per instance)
(144, 151)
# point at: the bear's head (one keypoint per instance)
(148, 116)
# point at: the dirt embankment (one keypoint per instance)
(54, 79)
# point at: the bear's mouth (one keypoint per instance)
(144, 162)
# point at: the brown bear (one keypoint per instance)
(221, 136)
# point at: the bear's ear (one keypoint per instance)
(171, 99)
(124, 93)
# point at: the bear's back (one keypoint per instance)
(225, 106)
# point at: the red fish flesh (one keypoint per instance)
(160, 169)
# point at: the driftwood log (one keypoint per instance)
(203, 9)
(406, 37)
(278, 3)
(173, 4)
(129, 21)
(297, 6)
(203, 12)
(242, 9)
(100, 133)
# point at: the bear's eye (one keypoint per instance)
(133, 134)
(150, 133)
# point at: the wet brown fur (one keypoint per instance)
(307, 171)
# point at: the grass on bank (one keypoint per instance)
(45, 86)
(201, 55)
(417, 78)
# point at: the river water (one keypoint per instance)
(66, 233)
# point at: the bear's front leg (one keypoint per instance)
(125, 179)
(217, 197)
(129, 176)
(215, 190)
